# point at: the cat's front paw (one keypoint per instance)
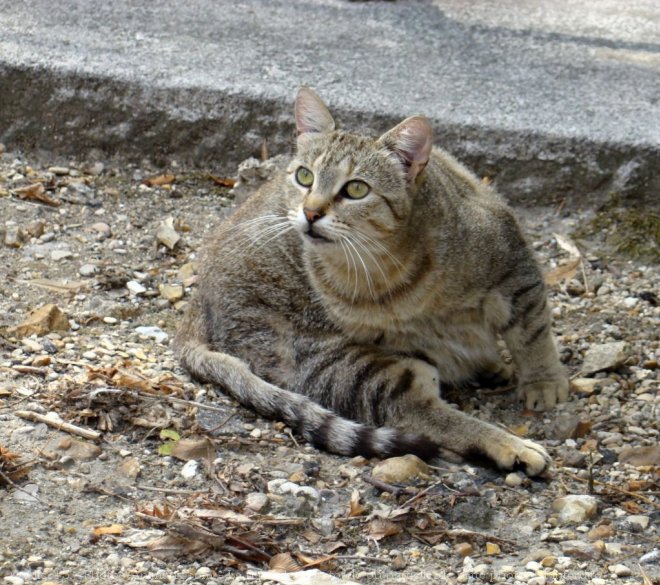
(521, 454)
(544, 395)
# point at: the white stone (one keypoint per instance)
(630, 302)
(255, 433)
(154, 332)
(87, 270)
(134, 287)
(575, 509)
(14, 580)
(605, 356)
(641, 522)
(203, 572)
(58, 255)
(189, 470)
(256, 501)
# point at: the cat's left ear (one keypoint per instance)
(312, 115)
(411, 141)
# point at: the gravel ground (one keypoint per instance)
(175, 492)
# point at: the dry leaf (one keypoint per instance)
(632, 507)
(171, 546)
(140, 538)
(311, 536)
(283, 563)
(187, 449)
(223, 181)
(36, 192)
(380, 528)
(11, 466)
(112, 529)
(63, 285)
(160, 180)
(563, 272)
(355, 507)
(565, 243)
(217, 514)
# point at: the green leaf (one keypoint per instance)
(170, 434)
(166, 448)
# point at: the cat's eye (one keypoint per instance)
(356, 189)
(304, 177)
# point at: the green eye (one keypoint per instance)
(356, 189)
(304, 177)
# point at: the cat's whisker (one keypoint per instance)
(381, 248)
(352, 266)
(376, 263)
(367, 275)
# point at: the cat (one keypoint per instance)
(341, 294)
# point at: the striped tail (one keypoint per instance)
(316, 424)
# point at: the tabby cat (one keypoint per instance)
(340, 295)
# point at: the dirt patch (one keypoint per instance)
(183, 486)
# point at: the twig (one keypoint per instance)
(60, 425)
(387, 487)
(421, 494)
(359, 558)
(150, 488)
(613, 488)
(8, 480)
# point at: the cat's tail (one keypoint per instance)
(318, 425)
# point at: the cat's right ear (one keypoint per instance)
(312, 115)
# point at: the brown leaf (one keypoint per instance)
(11, 466)
(355, 507)
(331, 547)
(638, 485)
(563, 272)
(323, 563)
(160, 180)
(380, 528)
(632, 507)
(311, 536)
(112, 529)
(36, 192)
(187, 449)
(171, 546)
(283, 563)
(223, 181)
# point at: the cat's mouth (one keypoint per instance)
(315, 237)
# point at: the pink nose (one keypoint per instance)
(312, 215)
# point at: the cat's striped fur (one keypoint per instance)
(340, 315)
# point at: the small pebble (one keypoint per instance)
(58, 255)
(513, 480)
(87, 270)
(620, 570)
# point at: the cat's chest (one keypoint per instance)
(456, 344)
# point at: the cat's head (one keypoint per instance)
(351, 188)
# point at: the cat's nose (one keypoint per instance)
(312, 215)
